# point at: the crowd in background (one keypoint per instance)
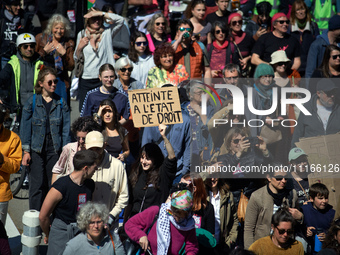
(104, 186)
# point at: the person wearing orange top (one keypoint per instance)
(10, 158)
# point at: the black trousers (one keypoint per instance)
(40, 175)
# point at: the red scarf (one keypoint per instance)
(217, 46)
(238, 38)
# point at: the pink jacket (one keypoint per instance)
(137, 226)
(150, 42)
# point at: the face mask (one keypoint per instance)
(106, 24)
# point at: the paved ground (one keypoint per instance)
(17, 207)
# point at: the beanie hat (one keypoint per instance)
(334, 22)
(263, 69)
(276, 16)
(233, 15)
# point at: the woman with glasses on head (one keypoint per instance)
(241, 42)
(303, 29)
(158, 31)
(195, 12)
(165, 71)
(94, 237)
(79, 128)
(141, 57)
(45, 131)
(282, 240)
(94, 45)
(125, 82)
(57, 49)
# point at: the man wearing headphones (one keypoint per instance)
(18, 77)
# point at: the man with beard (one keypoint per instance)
(325, 113)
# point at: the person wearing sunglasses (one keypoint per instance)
(91, 220)
(24, 64)
(242, 42)
(80, 127)
(218, 50)
(141, 56)
(330, 66)
(166, 70)
(57, 49)
(190, 52)
(325, 113)
(282, 239)
(267, 200)
(125, 82)
(174, 226)
(158, 31)
(46, 122)
(277, 39)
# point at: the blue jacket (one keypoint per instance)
(179, 137)
(33, 124)
(316, 52)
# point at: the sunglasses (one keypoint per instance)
(25, 46)
(141, 43)
(183, 29)
(280, 177)
(287, 21)
(50, 82)
(288, 231)
(334, 57)
(80, 138)
(330, 93)
(160, 23)
(234, 23)
(219, 31)
(126, 69)
(281, 63)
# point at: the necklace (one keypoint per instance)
(74, 180)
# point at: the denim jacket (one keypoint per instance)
(33, 124)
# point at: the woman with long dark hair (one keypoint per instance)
(195, 12)
(141, 56)
(116, 139)
(331, 244)
(152, 175)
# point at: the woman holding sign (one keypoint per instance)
(152, 175)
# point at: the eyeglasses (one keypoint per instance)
(80, 138)
(287, 21)
(236, 141)
(219, 31)
(231, 78)
(25, 46)
(93, 223)
(334, 57)
(279, 177)
(145, 43)
(288, 231)
(200, 92)
(160, 23)
(235, 22)
(126, 69)
(55, 81)
(185, 28)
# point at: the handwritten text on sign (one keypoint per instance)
(151, 107)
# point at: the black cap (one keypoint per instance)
(12, 2)
(325, 85)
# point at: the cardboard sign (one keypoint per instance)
(324, 161)
(151, 107)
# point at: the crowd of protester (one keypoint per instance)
(103, 186)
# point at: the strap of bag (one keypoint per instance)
(113, 243)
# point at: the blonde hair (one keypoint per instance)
(56, 19)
